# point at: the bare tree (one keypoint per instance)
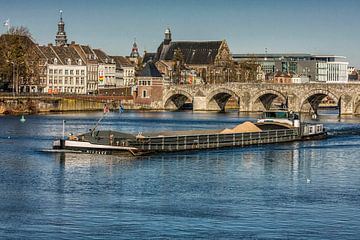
(178, 65)
(19, 58)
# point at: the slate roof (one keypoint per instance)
(194, 52)
(149, 70)
(86, 49)
(65, 53)
(85, 52)
(102, 56)
(148, 56)
(61, 53)
(121, 61)
(49, 54)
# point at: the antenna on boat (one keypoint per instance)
(63, 129)
(106, 110)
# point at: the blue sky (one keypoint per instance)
(249, 26)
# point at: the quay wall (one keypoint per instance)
(38, 104)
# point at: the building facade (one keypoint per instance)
(318, 68)
(92, 66)
(66, 71)
(106, 70)
(149, 85)
(125, 71)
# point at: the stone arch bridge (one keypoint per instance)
(260, 97)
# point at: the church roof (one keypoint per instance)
(150, 70)
(194, 52)
(148, 56)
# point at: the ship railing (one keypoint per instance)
(202, 141)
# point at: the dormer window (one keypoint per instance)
(55, 61)
(69, 61)
(79, 62)
(106, 60)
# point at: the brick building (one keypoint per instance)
(149, 86)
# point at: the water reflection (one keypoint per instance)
(224, 193)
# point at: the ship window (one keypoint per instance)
(311, 130)
(276, 115)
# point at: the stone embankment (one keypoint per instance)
(37, 104)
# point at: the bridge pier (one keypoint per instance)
(199, 104)
(346, 105)
(258, 97)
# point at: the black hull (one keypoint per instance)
(184, 143)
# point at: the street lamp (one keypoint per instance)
(13, 76)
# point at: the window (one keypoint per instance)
(77, 72)
(144, 94)
(51, 71)
(66, 72)
(55, 71)
(82, 81)
(71, 72)
(66, 80)
(82, 72)
(60, 71)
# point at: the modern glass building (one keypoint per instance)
(319, 68)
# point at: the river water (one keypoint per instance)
(301, 190)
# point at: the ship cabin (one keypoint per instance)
(280, 117)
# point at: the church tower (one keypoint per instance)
(61, 39)
(167, 38)
(134, 51)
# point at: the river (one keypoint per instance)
(300, 190)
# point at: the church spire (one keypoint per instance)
(134, 51)
(167, 38)
(61, 39)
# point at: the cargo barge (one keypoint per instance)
(273, 127)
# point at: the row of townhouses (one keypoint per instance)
(79, 69)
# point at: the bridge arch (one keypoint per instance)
(175, 100)
(264, 100)
(217, 99)
(356, 102)
(310, 102)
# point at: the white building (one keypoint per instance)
(125, 71)
(106, 68)
(296, 79)
(65, 71)
(332, 72)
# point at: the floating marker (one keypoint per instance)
(22, 119)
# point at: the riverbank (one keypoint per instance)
(47, 103)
